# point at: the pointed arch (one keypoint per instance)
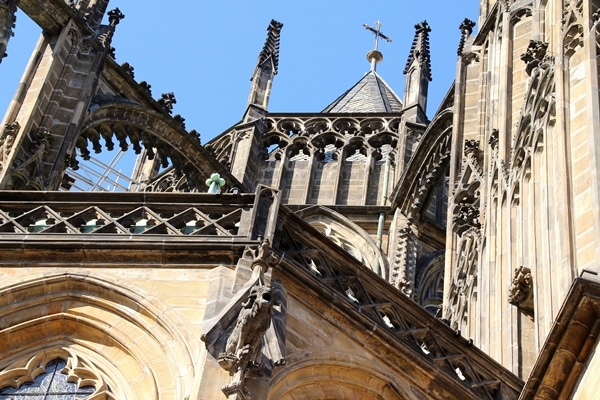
(130, 339)
(76, 374)
(427, 166)
(336, 378)
(163, 138)
(348, 235)
(429, 282)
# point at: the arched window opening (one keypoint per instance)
(51, 384)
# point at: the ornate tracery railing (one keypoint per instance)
(431, 339)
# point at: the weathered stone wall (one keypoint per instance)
(530, 103)
(140, 326)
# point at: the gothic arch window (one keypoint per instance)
(347, 235)
(430, 285)
(52, 383)
(53, 375)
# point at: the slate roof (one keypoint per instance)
(370, 94)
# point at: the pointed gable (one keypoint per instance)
(370, 94)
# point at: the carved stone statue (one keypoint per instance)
(248, 336)
(243, 346)
(7, 139)
(521, 290)
(253, 346)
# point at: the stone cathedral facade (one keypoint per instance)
(371, 250)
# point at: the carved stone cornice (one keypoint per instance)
(393, 314)
(570, 347)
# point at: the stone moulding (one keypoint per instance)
(570, 346)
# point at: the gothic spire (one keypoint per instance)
(266, 69)
(370, 93)
(418, 75)
(271, 47)
(419, 51)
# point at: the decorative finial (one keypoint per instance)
(419, 49)
(375, 56)
(115, 16)
(466, 29)
(166, 101)
(214, 183)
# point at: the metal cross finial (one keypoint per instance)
(377, 32)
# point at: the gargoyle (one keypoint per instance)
(256, 343)
(521, 290)
(244, 344)
(248, 337)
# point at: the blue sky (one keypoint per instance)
(205, 51)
